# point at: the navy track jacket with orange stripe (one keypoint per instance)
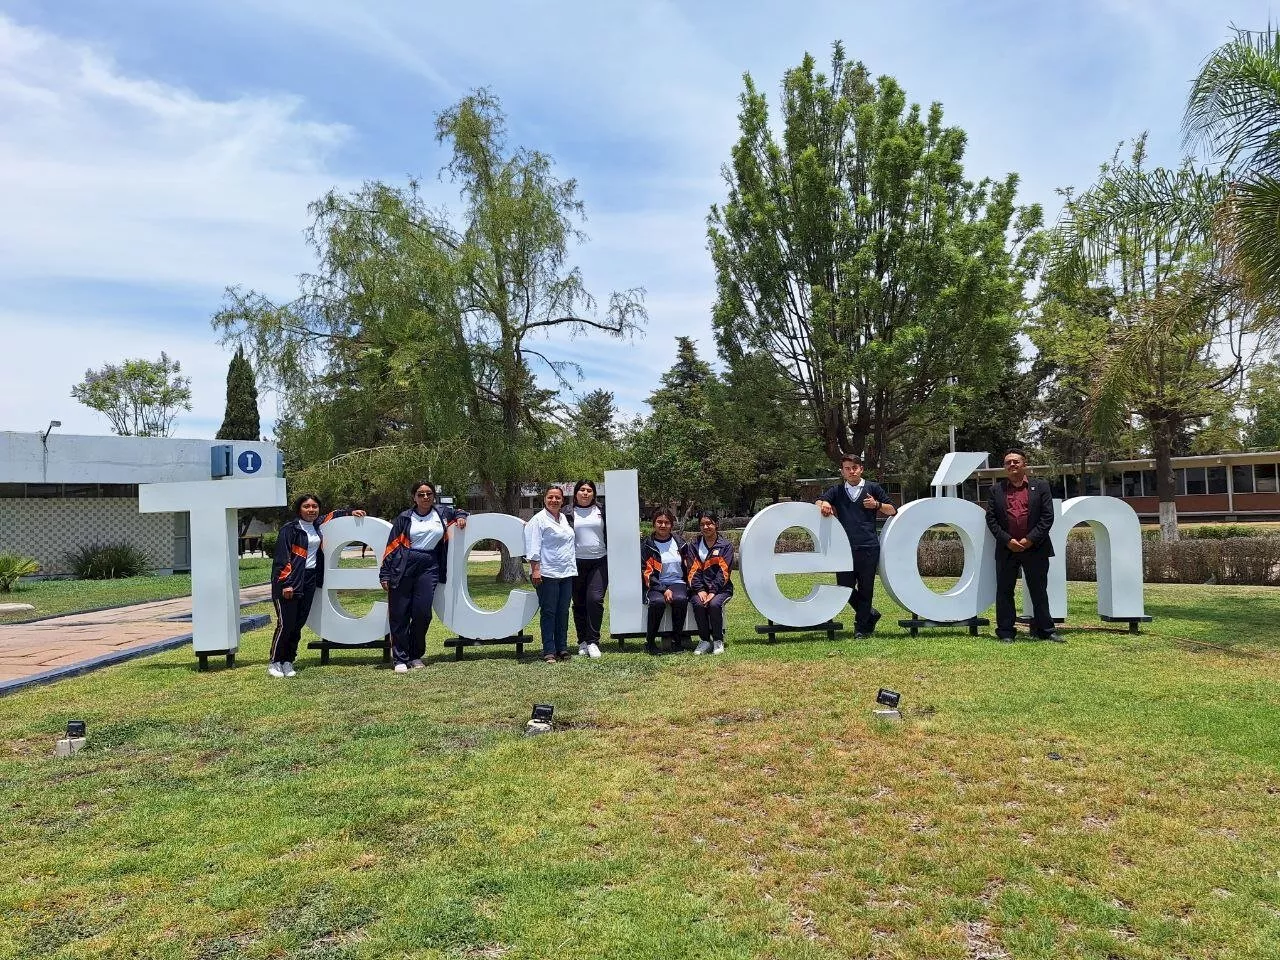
(396, 555)
(714, 573)
(290, 563)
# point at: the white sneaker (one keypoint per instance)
(718, 647)
(275, 670)
(287, 667)
(402, 668)
(701, 648)
(417, 665)
(583, 650)
(593, 651)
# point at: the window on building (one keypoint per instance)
(984, 490)
(1242, 479)
(1113, 486)
(80, 491)
(1264, 478)
(10, 491)
(1071, 483)
(126, 490)
(1148, 483)
(1194, 481)
(1131, 484)
(1092, 488)
(1216, 479)
(45, 491)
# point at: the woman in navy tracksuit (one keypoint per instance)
(664, 568)
(296, 573)
(710, 581)
(416, 561)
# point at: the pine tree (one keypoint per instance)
(241, 420)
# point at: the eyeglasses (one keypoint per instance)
(1013, 463)
(425, 496)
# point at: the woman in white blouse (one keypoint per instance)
(593, 568)
(549, 547)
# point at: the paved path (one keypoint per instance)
(66, 643)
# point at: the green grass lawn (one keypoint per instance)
(1114, 797)
(53, 597)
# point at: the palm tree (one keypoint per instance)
(1234, 110)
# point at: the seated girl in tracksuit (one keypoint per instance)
(664, 567)
(710, 581)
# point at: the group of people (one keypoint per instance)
(1019, 515)
(568, 562)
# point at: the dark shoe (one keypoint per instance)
(548, 658)
(862, 636)
(677, 644)
(875, 618)
(650, 647)
(562, 655)
(1053, 636)
(1006, 638)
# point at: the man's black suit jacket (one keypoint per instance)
(1039, 517)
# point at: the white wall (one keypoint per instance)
(67, 458)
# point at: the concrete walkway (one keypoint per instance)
(64, 646)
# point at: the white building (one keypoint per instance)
(59, 493)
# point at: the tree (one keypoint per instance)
(240, 422)
(140, 398)
(1180, 332)
(1234, 109)
(595, 417)
(411, 303)
(1263, 431)
(683, 461)
(857, 255)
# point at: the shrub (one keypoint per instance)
(110, 561)
(1240, 560)
(12, 567)
(269, 543)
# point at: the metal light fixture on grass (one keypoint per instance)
(540, 721)
(889, 700)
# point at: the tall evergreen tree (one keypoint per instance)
(241, 421)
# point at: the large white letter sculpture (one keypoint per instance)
(1117, 542)
(215, 564)
(453, 600)
(328, 618)
(622, 530)
(900, 570)
(761, 566)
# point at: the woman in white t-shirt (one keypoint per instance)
(592, 581)
(549, 546)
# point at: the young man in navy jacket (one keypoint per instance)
(857, 504)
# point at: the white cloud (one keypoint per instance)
(115, 180)
(37, 387)
(118, 178)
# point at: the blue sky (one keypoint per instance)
(153, 153)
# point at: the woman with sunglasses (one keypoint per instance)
(416, 561)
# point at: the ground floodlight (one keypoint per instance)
(542, 712)
(75, 728)
(888, 698)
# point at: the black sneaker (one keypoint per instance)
(1053, 636)
(862, 636)
(875, 618)
(650, 647)
(1009, 639)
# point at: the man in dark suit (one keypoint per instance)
(1019, 515)
(857, 503)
